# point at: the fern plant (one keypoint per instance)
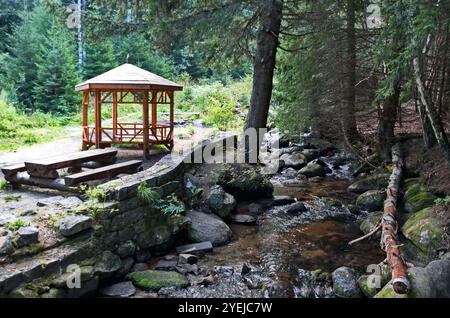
(169, 205)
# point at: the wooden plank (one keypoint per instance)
(103, 172)
(13, 169)
(43, 167)
(25, 178)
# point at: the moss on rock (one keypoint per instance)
(375, 182)
(424, 230)
(371, 200)
(154, 280)
(417, 198)
(370, 222)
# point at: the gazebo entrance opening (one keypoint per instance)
(128, 84)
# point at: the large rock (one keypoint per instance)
(313, 169)
(433, 281)
(371, 284)
(245, 181)
(155, 280)
(295, 208)
(119, 290)
(369, 223)
(107, 263)
(375, 182)
(372, 200)
(73, 224)
(417, 198)
(208, 227)
(27, 235)
(6, 246)
(295, 160)
(345, 283)
(424, 230)
(311, 154)
(243, 219)
(220, 202)
(126, 249)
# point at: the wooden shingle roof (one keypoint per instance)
(128, 76)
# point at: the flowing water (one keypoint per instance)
(283, 245)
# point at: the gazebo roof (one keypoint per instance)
(128, 76)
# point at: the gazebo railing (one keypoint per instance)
(129, 133)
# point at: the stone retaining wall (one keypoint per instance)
(125, 231)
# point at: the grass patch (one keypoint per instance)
(13, 197)
(16, 225)
(4, 185)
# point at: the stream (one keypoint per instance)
(288, 255)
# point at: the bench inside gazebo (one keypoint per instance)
(128, 84)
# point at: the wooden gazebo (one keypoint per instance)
(128, 84)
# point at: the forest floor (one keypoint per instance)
(434, 171)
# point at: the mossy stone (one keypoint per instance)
(424, 230)
(375, 182)
(417, 198)
(371, 200)
(154, 280)
(370, 222)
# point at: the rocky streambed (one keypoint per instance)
(285, 246)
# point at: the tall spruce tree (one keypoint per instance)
(56, 72)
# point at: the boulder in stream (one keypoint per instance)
(244, 181)
(375, 182)
(220, 202)
(155, 280)
(417, 198)
(313, 169)
(294, 160)
(372, 200)
(208, 227)
(345, 283)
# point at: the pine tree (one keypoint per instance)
(99, 58)
(143, 54)
(19, 66)
(56, 73)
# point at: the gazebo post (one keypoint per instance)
(114, 113)
(85, 119)
(171, 116)
(154, 115)
(98, 119)
(145, 124)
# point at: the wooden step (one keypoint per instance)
(11, 170)
(45, 168)
(103, 172)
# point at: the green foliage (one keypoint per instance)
(18, 129)
(38, 71)
(13, 197)
(169, 205)
(16, 225)
(99, 57)
(442, 201)
(4, 185)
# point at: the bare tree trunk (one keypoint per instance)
(349, 87)
(388, 116)
(431, 113)
(264, 63)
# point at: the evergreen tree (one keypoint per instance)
(143, 54)
(19, 66)
(99, 58)
(56, 73)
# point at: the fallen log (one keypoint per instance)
(389, 239)
(388, 225)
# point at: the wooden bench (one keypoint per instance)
(46, 168)
(12, 170)
(103, 172)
